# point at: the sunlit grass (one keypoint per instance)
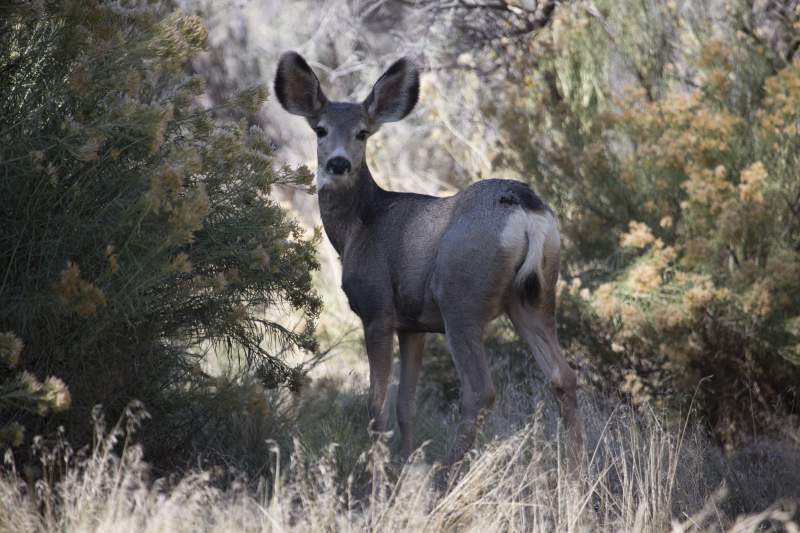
(322, 474)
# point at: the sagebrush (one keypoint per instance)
(138, 234)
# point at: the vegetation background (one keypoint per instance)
(159, 243)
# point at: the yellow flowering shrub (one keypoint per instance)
(638, 236)
(751, 183)
(669, 145)
(138, 236)
(77, 293)
(21, 391)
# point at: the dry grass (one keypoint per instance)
(641, 477)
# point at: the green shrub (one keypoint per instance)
(138, 235)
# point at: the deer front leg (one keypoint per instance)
(378, 335)
(411, 346)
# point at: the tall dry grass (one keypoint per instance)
(641, 476)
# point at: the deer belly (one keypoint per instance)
(429, 320)
(372, 300)
(417, 312)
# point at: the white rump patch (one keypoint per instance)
(526, 232)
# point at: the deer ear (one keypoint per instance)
(297, 87)
(395, 94)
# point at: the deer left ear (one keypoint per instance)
(297, 87)
(395, 94)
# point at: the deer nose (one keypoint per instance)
(337, 165)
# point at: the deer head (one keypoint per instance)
(343, 128)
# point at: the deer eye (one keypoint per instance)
(362, 135)
(320, 131)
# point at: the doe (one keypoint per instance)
(414, 264)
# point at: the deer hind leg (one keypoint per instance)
(465, 341)
(378, 336)
(537, 325)
(411, 346)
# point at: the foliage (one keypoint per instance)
(138, 236)
(22, 391)
(667, 138)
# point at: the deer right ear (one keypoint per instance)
(297, 87)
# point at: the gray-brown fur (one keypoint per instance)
(413, 264)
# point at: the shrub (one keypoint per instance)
(138, 236)
(21, 391)
(666, 137)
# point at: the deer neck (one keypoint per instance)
(346, 211)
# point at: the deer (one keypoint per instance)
(414, 264)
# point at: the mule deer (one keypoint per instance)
(414, 264)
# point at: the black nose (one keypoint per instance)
(337, 165)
